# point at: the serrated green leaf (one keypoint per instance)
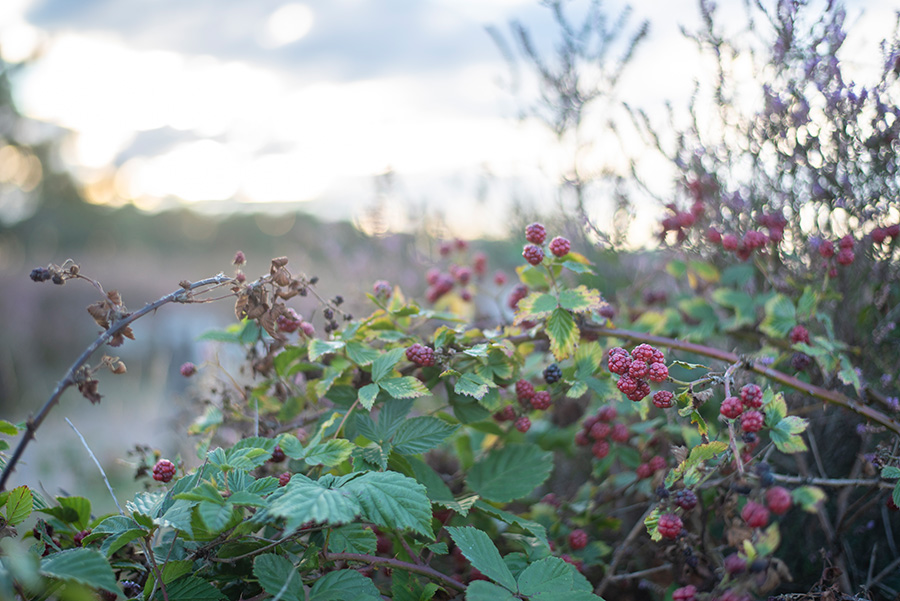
(330, 453)
(305, 500)
(776, 410)
(705, 271)
(205, 492)
(178, 515)
(780, 317)
(405, 387)
(384, 364)
(192, 588)
(785, 442)
(742, 304)
(531, 276)
(318, 347)
(215, 516)
(171, 571)
(360, 354)
(895, 494)
(481, 590)
(242, 497)
(85, 566)
(277, 575)
(19, 505)
(478, 548)
(473, 385)
(479, 350)
(806, 304)
(352, 538)
(848, 374)
(563, 334)
(436, 489)
(547, 575)
(510, 473)
(392, 415)
(421, 434)
(580, 299)
(698, 455)
(80, 506)
(890, 472)
(344, 585)
(393, 500)
(685, 365)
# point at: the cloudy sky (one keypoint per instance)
(273, 101)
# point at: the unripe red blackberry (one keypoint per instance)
(524, 391)
(778, 499)
(735, 564)
(638, 369)
(507, 414)
(845, 256)
(685, 593)
(79, 537)
(684, 498)
(420, 355)
(600, 431)
(277, 455)
(799, 334)
(713, 235)
(523, 424)
(893, 230)
(663, 399)
(607, 413)
(589, 422)
(657, 463)
(518, 293)
(752, 421)
(578, 539)
(643, 352)
(582, 439)
(756, 515)
(618, 363)
(499, 278)
(600, 449)
(847, 242)
(552, 374)
(878, 235)
(163, 471)
(620, 433)
(644, 471)
(627, 384)
(658, 372)
(479, 263)
(551, 499)
(533, 254)
(889, 503)
(669, 525)
(284, 478)
(535, 233)
(730, 242)
(579, 565)
(541, 400)
(641, 390)
(826, 249)
(188, 369)
(289, 321)
(560, 247)
(751, 396)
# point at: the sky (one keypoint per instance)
(233, 103)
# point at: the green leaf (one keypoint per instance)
(784, 435)
(577, 267)
(80, 506)
(330, 453)
(547, 575)
(738, 275)
(808, 497)
(776, 410)
(510, 473)
(8, 428)
(698, 455)
(580, 299)
(473, 385)
(344, 585)
(534, 306)
(368, 394)
(171, 571)
(392, 416)
(780, 317)
(848, 374)
(806, 305)
(19, 505)
(742, 304)
(318, 347)
(192, 588)
(178, 515)
(352, 538)
(384, 364)
(435, 487)
(360, 353)
(481, 590)
(531, 276)
(215, 516)
(205, 492)
(705, 271)
(406, 387)
(273, 573)
(85, 566)
(512, 519)
(285, 358)
(563, 334)
(305, 500)
(478, 548)
(393, 500)
(421, 434)
(890, 472)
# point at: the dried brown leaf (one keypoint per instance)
(282, 277)
(241, 305)
(268, 323)
(89, 390)
(114, 297)
(100, 312)
(278, 262)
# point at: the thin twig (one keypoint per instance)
(641, 573)
(620, 553)
(99, 467)
(396, 563)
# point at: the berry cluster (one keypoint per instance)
(536, 234)
(441, 282)
(745, 407)
(528, 398)
(645, 362)
(420, 355)
(163, 471)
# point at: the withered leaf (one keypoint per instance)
(680, 453)
(89, 390)
(100, 312)
(267, 321)
(240, 305)
(278, 262)
(282, 277)
(114, 297)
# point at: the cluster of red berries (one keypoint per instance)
(163, 471)
(600, 430)
(645, 362)
(290, 321)
(528, 398)
(536, 234)
(843, 256)
(420, 355)
(442, 282)
(751, 399)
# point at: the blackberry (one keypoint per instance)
(755, 515)
(685, 498)
(685, 593)
(767, 479)
(627, 385)
(620, 433)
(188, 369)
(578, 539)
(552, 374)
(669, 525)
(730, 242)
(420, 355)
(328, 313)
(642, 389)
(847, 242)
(662, 492)
(518, 293)
(277, 455)
(560, 247)
(541, 400)
(800, 361)
(845, 256)
(643, 352)
(524, 391)
(752, 421)
(657, 463)
(600, 449)
(658, 372)
(731, 407)
(289, 321)
(607, 413)
(40, 274)
(890, 504)
(644, 471)
(284, 478)
(552, 500)
(638, 369)
(131, 589)
(663, 399)
(57, 279)
(582, 439)
(535, 233)
(382, 289)
(751, 396)
(600, 431)
(79, 537)
(507, 414)
(618, 363)
(163, 471)
(523, 424)
(778, 500)
(735, 564)
(799, 334)
(533, 254)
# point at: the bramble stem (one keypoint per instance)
(396, 563)
(182, 295)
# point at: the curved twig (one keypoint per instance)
(401, 565)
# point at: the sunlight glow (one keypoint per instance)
(288, 24)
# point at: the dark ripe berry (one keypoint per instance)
(383, 545)
(589, 422)
(778, 500)
(752, 421)
(552, 374)
(878, 235)
(533, 254)
(620, 433)
(328, 313)
(607, 413)
(40, 274)
(756, 515)
(644, 471)
(541, 400)
(507, 414)
(523, 424)
(535, 233)
(524, 391)
(669, 525)
(751, 396)
(277, 455)
(755, 239)
(382, 289)
(627, 384)
(284, 478)
(578, 539)
(163, 471)
(663, 399)
(131, 588)
(662, 492)
(731, 407)
(800, 361)
(188, 369)
(289, 321)
(420, 355)
(893, 230)
(767, 479)
(638, 369)
(847, 242)
(106, 595)
(642, 389)
(751, 439)
(845, 256)
(657, 463)
(890, 504)
(582, 439)
(684, 498)
(600, 431)
(618, 363)
(78, 539)
(735, 564)
(57, 279)
(826, 249)
(643, 352)
(759, 565)
(730, 242)
(685, 593)
(762, 468)
(713, 235)
(658, 372)
(551, 499)
(799, 334)
(560, 247)
(600, 449)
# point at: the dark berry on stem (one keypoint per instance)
(578, 539)
(535, 233)
(284, 478)
(523, 424)
(799, 334)
(552, 374)
(560, 247)
(685, 498)
(163, 471)
(533, 254)
(541, 400)
(420, 355)
(277, 455)
(524, 391)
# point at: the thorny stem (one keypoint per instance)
(182, 295)
(396, 563)
(829, 396)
